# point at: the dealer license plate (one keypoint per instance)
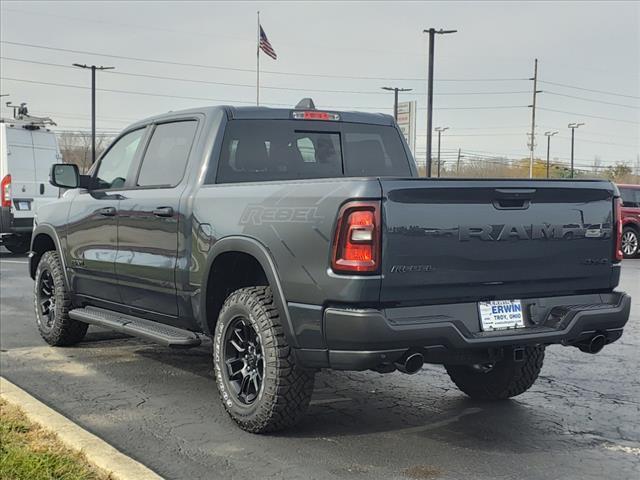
(500, 315)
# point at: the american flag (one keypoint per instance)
(265, 46)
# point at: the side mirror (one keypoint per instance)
(64, 175)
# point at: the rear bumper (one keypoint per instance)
(10, 224)
(358, 339)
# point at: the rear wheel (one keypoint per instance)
(260, 385)
(18, 244)
(500, 380)
(52, 303)
(630, 242)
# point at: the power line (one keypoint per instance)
(149, 94)
(597, 134)
(49, 113)
(249, 70)
(588, 89)
(508, 134)
(590, 116)
(206, 35)
(603, 143)
(229, 84)
(547, 92)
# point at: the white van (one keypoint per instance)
(27, 151)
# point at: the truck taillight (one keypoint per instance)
(5, 191)
(618, 227)
(356, 243)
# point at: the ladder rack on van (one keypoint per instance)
(29, 123)
(21, 118)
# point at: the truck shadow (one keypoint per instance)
(421, 407)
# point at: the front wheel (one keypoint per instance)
(500, 380)
(260, 385)
(52, 303)
(630, 242)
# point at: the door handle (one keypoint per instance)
(42, 189)
(163, 212)
(107, 211)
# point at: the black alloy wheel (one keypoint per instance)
(46, 300)
(244, 359)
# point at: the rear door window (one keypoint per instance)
(630, 197)
(264, 150)
(166, 156)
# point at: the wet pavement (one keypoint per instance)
(580, 420)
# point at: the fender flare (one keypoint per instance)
(50, 231)
(258, 251)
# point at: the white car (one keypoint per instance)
(27, 151)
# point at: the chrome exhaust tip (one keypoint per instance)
(594, 345)
(411, 363)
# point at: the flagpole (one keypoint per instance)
(258, 64)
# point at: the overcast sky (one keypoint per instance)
(593, 46)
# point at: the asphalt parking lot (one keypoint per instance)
(580, 420)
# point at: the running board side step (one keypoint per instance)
(138, 327)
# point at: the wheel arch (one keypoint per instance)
(632, 224)
(45, 239)
(254, 257)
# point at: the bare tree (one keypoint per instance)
(76, 148)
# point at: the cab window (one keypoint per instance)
(166, 156)
(115, 164)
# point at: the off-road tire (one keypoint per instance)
(286, 388)
(60, 330)
(507, 378)
(19, 247)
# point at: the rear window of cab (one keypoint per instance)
(271, 150)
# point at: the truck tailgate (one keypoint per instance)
(460, 240)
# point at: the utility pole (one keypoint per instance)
(532, 145)
(432, 36)
(93, 104)
(573, 127)
(440, 130)
(395, 91)
(549, 135)
(458, 163)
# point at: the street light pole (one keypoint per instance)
(395, 91)
(549, 135)
(440, 130)
(573, 127)
(432, 36)
(93, 104)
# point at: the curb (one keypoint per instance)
(97, 451)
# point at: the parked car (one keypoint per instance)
(298, 239)
(630, 220)
(27, 151)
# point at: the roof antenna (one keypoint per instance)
(305, 104)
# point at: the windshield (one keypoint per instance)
(263, 150)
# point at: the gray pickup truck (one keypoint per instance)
(299, 239)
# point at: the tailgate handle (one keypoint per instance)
(513, 198)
